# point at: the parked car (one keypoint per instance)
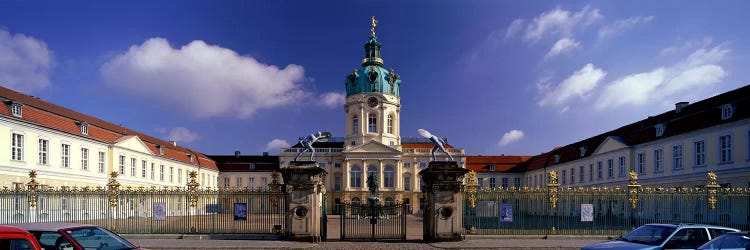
(664, 236)
(13, 238)
(74, 236)
(729, 241)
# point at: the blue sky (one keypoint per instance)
(495, 77)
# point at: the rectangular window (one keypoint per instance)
(407, 183)
(85, 158)
(505, 182)
(517, 182)
(610, 168)
(677, 157)
(564, 177)
(372, 123)
(101, 162)
(161, 173)
(481, 181)
(16, 147)
(337, 165)
(43, 152)
(226, 182)
(407, 164)
(322, 165)
(581, 177)
(700, 153)
(121, 164)
(591, 172)
(152, 171)
(251, 182)
(725, 149)
(572, 175)
(171, 174)
(493, 182)
(65, 155)
(264, 181)
(16, 109)
(143, 168)
(422, 165)
(355, 125)
(179, 176)
(641, 163)
(337, 183)
(621, 166)
(598, 170)
(132, 166)
(658, 160)
(239, 182)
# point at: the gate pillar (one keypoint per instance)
(444, 201)
(304, 187)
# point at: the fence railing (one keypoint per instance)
(600, 210)
(150, 210)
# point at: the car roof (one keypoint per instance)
(12, 229)
(691, 226)
(50, 226)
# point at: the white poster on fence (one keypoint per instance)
(160, 211)
(587, 212)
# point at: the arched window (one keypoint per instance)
(407, 182)
(388, 176)
(355, 201)
(355, 177)
(372, 123)
(355, 124)
(390, 124)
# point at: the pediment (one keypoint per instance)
(373, 147)
(611, 143)
(134, 143)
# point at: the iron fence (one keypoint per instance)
(152, 210)
(600, 210)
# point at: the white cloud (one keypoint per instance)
(25, 62)
(332, 99)
(696, 72)
(181, 134)
(562, 46)
(514, 28)
(560, 22)
(622, 25)
(580, 84)
(510, 137)
(203, 80)
(275, 144)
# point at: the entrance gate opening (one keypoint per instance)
(366, 222)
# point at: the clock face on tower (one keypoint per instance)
(372, 102)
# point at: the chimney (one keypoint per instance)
(174, 143)
(265, 153)
(237, 154)
(679, 106)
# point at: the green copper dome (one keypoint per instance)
(372, 76)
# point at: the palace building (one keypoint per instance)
(372, 144)
(67, 148)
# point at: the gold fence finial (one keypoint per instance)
(553, 187)
(712, 187)
(633, 188)
(32, 187)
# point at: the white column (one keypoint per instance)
(345, 177)
(381, 181)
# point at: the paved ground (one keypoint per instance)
(413, 235)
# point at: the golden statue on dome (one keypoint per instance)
(374, 23)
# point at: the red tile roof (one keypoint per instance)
(422, 145)
(503, 163)
(56, 117)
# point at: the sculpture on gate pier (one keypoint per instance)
(308, 141)
(439, 143)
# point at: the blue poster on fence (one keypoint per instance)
(160, 211)
(506, 213)
(240, 211)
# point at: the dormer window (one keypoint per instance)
(557, 158)
(16, 108)
(190, 157)
(161, 149)
(491, 167)
(660, 129)
(84, 127)
(583, 151)
(726, 111)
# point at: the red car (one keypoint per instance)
(74, 236)
(13, 238)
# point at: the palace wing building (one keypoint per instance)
(67, 148)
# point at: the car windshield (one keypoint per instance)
(648, 234)
(99, 239)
